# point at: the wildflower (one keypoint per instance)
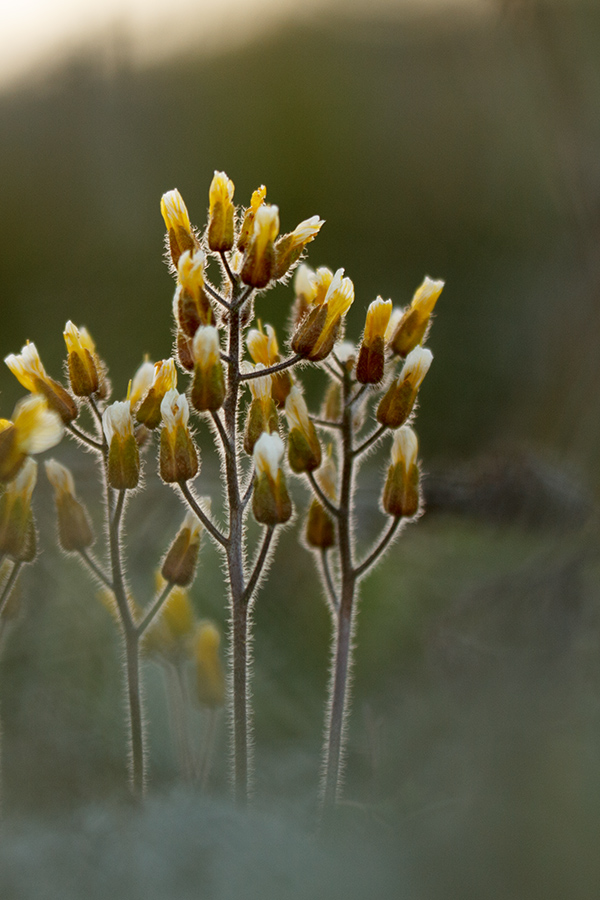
(180, 235)
(256, 201)
(257, 269)
(33, 429)
(191, 305)
(318, 331)
(290, 247)
(164, 379)
(271, 502)
(304, 450)
(262, 415)
(310, 288)
(220, 216)
(264, 349)
(86, 373)
(178, 457)
(208, 386)
(17, 528)
(397, 403)
(412, 328)
(74, 528)
(28, 369)
(179, 565)
(123, 452)
(371, 357)
(401, 491)
(210, 678)
(141, 382)
(320, 529)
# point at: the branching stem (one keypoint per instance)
(197, 509)
(10, 583)
(322, 496)
(271, 370)
(379, 548)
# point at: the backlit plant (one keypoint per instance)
(249, 393)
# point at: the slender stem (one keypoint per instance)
(328, 580)
(221, 429)
(10, 583)
(227, 268)
(259, 564)
(208, 747)
(93, 566)
(132, 645)
(360, 393)
(271, 370)
(197, 509)
(333, 372)
(84, 437)
(244, 295)
(333, 509)
(154, 610)
(248, 491)
(216, 296)
(368, 442)
(98, 417)
(379, 548)
(240, 703)
(324, 423)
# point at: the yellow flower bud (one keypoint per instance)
(28, 369)
(191, 305)
(271, 502)
(413, 326)
(257, 200)
(141, 382)
(210, 677)
(397, 403)
(264, 349)
(262, 414)
(86, 371)
(371, 357)
(208, 386)
(304, 450)
(318, 331)
(220, 215)
(33, 429)
(320, 528)
(180, 235)
(17, 529)
(257, 269)
(401, 491)
(74, 528)
(290, 247)
(123, 452)
(164, 379)
(179, 565)
(178, 457)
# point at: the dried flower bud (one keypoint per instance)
(86, 373)
(220, 216)
(179, 565)
(271, 502)
(412, 328)
(164, 379)
(17, 529)
(28, 369)
(257, 269)
(397, 403)
(178, 457)
(304, 450)
(401, 491)
(371, 358)
(210, 677)
(74, 528)
(33, 429)
(123, 452)
(179, 230)
(290, 247)
(262, 414)
(256, 201)
(191, 304)
(208, 386)
(318, 331)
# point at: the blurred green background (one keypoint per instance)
(462, 143)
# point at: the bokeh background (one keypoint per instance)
(455, 139)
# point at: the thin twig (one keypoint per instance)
(328, 580)
(91, 563)
(97, 414)
(86, 438)
(248, 492)
(216, 296)
(322, 496)
(325, 423)
(329, 368)
(245, 295)
(379, 548)
(258, 565)
(154, 610)
(368, 442)
(362, 389)
(195, 507)
(227, 268)
(271, 370)
(8, 587)
(221, 429)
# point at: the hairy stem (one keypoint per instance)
(10, 583)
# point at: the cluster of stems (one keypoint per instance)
(376, 380)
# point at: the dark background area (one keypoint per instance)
(464, 146)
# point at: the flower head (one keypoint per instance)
(397, 403)
(28, 369)
(123, 452)
(414, 323)
(33, 429)
(220, 217)
(180, 235)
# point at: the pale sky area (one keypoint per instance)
(34, 32)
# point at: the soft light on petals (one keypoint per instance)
(116, 419)
(38, 427)
(405, 447)
(268, 452)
